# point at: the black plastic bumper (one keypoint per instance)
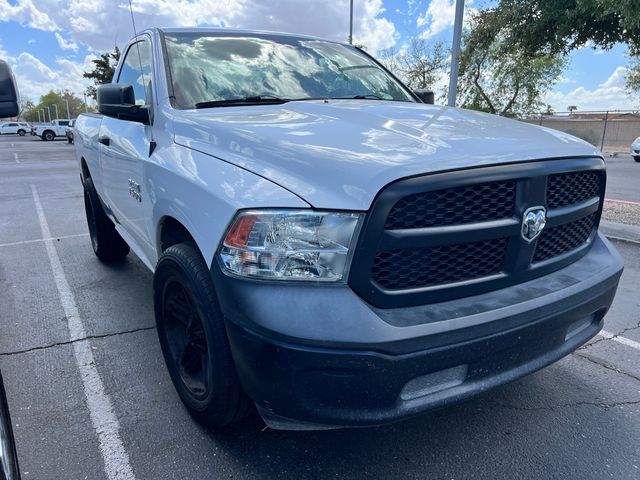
(319, 357)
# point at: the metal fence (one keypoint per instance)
(611, 131)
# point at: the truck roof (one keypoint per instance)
(235, 31)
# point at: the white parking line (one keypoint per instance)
(15, 157)
(105, 422)
(37, 240)
(621, 340)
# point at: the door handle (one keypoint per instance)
(104, 140)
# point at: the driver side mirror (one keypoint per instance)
(9, 97)
(426, 96)
(118, 101)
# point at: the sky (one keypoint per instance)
(50, 43)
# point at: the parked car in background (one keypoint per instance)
(635, 149)
(69, 131)
(19, 128)
(50, 131)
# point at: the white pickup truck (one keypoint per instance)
(49, 131)
(327, 247)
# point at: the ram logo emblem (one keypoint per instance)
(533, 221)
(134, 190)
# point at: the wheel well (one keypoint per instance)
(85, 170)
(173, 232)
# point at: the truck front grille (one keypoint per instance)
(445, 236)
(422, 267)
(563, 238)
(570, 188)
(454, 206)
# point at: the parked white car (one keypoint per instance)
(326, 246)
(19, 128)
(635, 149)
(49, 131)
(69, 131)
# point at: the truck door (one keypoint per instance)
(124, 151)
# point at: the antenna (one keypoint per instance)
(144, 83)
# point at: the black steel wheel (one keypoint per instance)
(193, 338)
(48, 136)
(186, 339)
(8, 456)
(106, 242)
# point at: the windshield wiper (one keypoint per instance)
(252, 100)
(361, 97)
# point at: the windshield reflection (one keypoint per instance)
(208, 67)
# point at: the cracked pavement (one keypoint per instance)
(578, 418)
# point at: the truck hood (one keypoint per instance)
(339, 153)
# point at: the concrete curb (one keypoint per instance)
(621, 231)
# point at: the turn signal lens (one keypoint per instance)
(290, 245)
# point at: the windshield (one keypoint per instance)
(209, 67)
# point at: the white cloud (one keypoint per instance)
(99, 24)
(31, 41)
(66, 44)
(564, 80)
(609, 95)
(34, 78)
(617, 78)
(439, 16)
(26, 13)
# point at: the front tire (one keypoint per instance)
(193, 338)
(48, 135)
(107, 243)
(22, 132)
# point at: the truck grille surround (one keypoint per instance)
(449, 235)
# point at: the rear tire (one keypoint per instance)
(107, 243)
(21, 132)
(637, 159)
(193, 338)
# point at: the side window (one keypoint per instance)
(64, 123)
(13, 124)
(136, 69)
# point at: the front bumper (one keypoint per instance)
(319, 357)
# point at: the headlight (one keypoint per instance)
(290, 244)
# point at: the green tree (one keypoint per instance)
(633, 77)
(498, 76)
(560, 26)
(572, 108)
(52, 100)
(25, 106)
(420, 65)
(104, 68)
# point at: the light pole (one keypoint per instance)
(68, 114)
(49, 110)
(455, 53)
(55, 105)
(84, 94)
(350, 21)
(39, 117)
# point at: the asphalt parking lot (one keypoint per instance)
(579, 418)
